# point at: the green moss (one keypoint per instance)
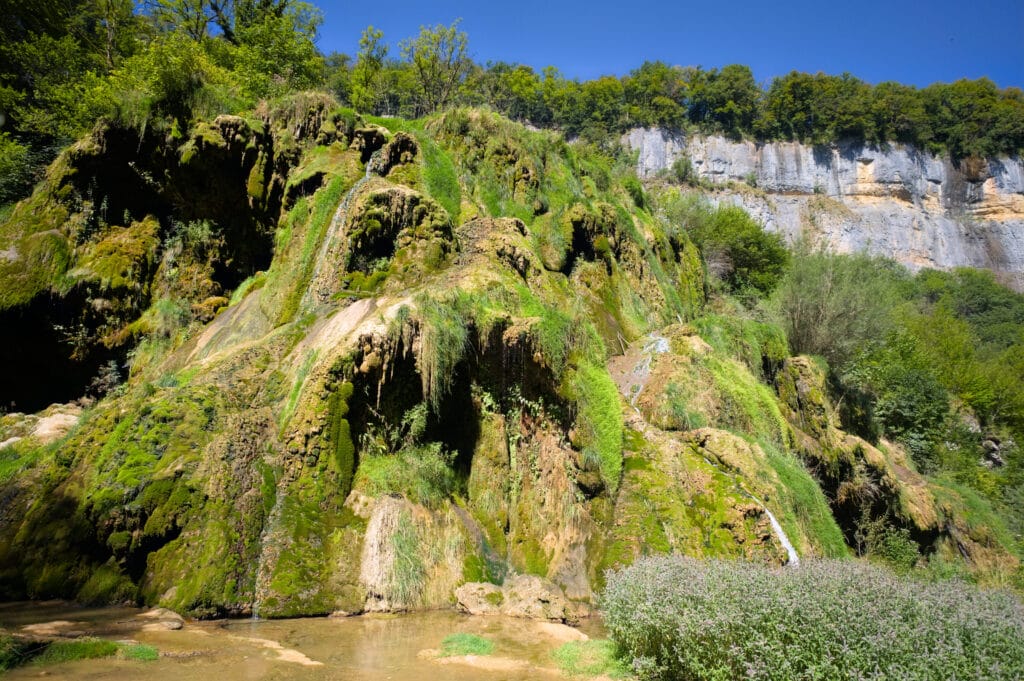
(123, 260)
(298, 240)
(16, 458)
(43, 260)
(253, 283)
(108, 584)
(598, 419)
(474, 568)
(743, 404)
(296, 392)
(341, 437)
(535, 560)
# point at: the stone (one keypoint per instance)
(480, 598)
(532, 597)
(523, 596)
(162, 620)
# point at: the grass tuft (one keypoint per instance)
(591, 658)
(465, 644)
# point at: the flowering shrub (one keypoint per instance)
(679, 618)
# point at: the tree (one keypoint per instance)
(655, 94)
(338, 75)
(227, 17)
(276, 53)
(366, 73)
(899, 114)
(47, 52)
(439, 59)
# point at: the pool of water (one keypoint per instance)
(365, 648)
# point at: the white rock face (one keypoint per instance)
(895, 201)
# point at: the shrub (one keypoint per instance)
(422, 473)
(830, 305)
(910, 403)
(736, 249)
(15, 169)
(679, 618)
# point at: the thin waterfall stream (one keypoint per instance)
(314, 295)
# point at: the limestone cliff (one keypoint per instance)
(897, 201)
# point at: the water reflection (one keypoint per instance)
(370, 648)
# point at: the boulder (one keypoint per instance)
(480, 598)
(524, 596)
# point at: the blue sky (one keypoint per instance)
(912, 42)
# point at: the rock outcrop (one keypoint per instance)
(897, 201)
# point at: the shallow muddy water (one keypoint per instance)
(369, 648)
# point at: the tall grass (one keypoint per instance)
(444, 339)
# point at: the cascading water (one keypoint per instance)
(259, 584)
(314, 295)
(634, 384)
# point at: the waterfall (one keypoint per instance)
(637, 381)
(262, 578)
(794, 559)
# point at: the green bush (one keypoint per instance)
(679, 618)
(831, 305)
(421, 473)
(15, 169)
(910, 404)
(736, 249)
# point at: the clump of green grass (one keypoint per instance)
(78, 649)
(139, 651)
(16, 652)
(421, 473)
(409, 572)
(444, 338)
(591, 658)
(465, 644)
